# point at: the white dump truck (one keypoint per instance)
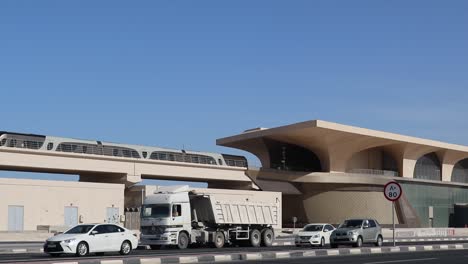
(180, 216)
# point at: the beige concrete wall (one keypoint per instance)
(44, 201)
(367, 159)
(334, 206)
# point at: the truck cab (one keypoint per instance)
(165, 217)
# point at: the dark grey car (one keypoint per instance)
(356, 232)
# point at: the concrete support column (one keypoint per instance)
(447, 170)
(408, 168)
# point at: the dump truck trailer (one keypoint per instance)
(180, 216)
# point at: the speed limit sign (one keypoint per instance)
(392, 191)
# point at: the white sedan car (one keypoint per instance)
(93, 238)
(314, 234)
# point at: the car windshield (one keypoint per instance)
(81, 229)
(313, 228)
(351, 223)
(156, 210)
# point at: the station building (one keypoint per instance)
(330, 172)
(327, 172)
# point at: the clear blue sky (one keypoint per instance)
(173, 73)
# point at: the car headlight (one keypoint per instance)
(351, 233)
(68, 241)
(316, 236)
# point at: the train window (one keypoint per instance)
(145, 154)
(115, 152)
(220, 162)
(171, 157)
(126, 153)
(195, 159)
(202, 160)
(135, 154)
(3, 142)
(179, 157)
(50, 146)
(85, 149)
(12, 143)
(162, 156)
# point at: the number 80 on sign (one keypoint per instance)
(392, 191)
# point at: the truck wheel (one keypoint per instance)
(267, 237)
(255, 238)
(219, 240)
(183, 241)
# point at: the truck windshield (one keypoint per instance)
(156, 210)
(351, 223)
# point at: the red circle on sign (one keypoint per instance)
(392, 199)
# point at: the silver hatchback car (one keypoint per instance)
(355, 232)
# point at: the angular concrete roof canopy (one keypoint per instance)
(335, 144)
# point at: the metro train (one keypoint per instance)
(58, 144)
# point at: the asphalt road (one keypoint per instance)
(25, 257)
(431, 257)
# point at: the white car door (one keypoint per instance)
(327, 230)
(99, 239)
(117, 236)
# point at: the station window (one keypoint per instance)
(220, 162)
(50, 146)
(116, 152)
(145, 154)
(3, 142)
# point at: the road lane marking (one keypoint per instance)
(400, 260)
(428, 248)
(188, 259)
(282, 255)
(219, 258)
(253, 256)
(112, 261)
(309, 253)
(150, 261)
(395, 249)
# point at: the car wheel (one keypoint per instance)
(358, 242)
(379, 241)
(267, 237)
(322, 242)
(82, 249)
(333, 245)
(183, 241)
(255, 238)
(219, 240)
(125, 248)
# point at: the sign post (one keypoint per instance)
(294, 223)
(392, 192)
